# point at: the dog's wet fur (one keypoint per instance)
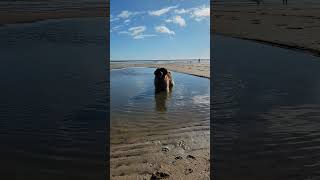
(163, 80)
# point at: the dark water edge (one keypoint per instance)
(53, 96)
(266, 107)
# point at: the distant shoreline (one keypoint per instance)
(314, 52)
(195, 69)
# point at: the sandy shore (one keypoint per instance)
(293, 26)
(170, 152)
(197, 69)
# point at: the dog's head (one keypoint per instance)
(158, 73)
(161, 72)
(164, 71)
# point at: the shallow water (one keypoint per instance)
(266, 112)
(53, 100)
(139, 117)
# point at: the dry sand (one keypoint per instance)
(197, 69)
(294, 26)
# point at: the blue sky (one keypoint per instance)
(159, 29)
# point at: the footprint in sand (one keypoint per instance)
(190, 157)
(165, 149)
(183, 145)
(159, 175)
(188, 171)
(178, 158)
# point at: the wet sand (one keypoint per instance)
(170, 155)
(196, 69)
(295, 26)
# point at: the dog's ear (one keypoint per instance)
(157, 72)
(164, 71)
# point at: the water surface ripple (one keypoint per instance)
(266, 112)
(53, 100)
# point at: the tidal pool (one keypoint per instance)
(149, 130)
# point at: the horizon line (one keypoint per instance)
(159, 59)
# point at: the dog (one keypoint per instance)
(163, 80)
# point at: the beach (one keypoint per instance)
(171, 150)
(193, 68)
(162, 135)
(296, 25)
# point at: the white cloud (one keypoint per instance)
(134, 31)
(116, 27)
(162, 11)
(164, 29)
(124, 14)
(177, 20)
(196, 13)
(200, 13)
(142, 36)
(112, 18)
(127, 21)
(123, 32)
(182, 11)
(127, 14)
(137, 32)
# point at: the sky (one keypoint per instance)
(159, 29)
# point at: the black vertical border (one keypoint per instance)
(107, 60)
(212, 24)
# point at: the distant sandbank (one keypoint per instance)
(197, 69)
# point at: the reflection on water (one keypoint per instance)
(53, 100)
(161, 100)
(143, 123)
(266, 110)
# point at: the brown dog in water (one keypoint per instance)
(163, 80)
